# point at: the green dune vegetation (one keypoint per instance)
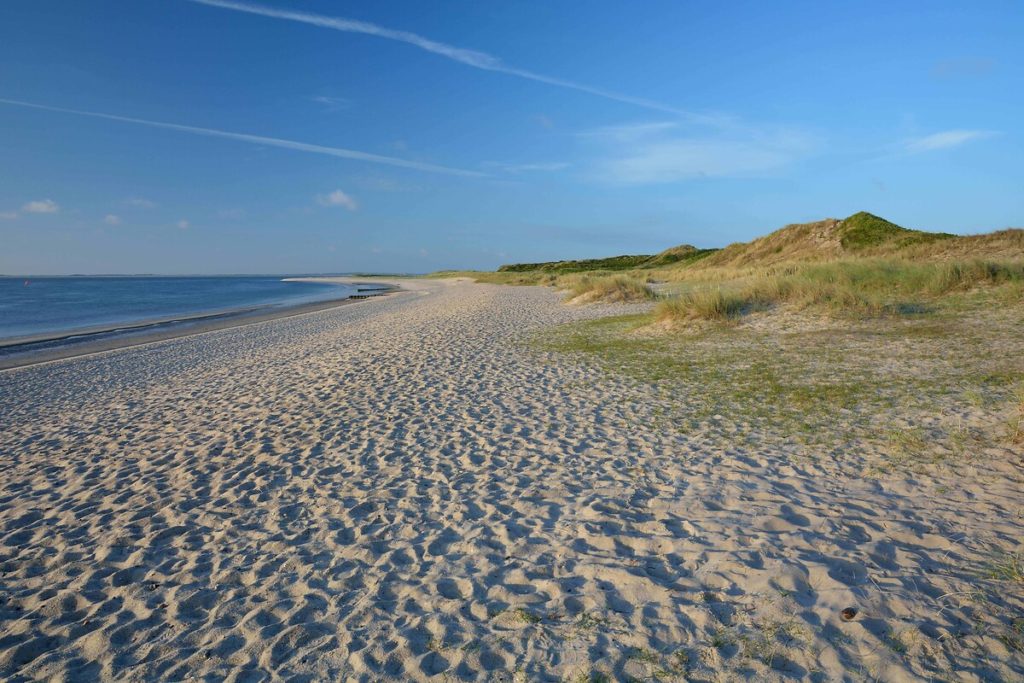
(822, 334)
(861, 265)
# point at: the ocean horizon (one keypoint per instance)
(34, 307)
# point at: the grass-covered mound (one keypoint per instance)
(864, 231)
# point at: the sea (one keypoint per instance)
(54, 307)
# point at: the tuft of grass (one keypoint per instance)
(723, 638)
(588, 622)
(1008, 568)
(616, 288)
(526, 616)
(908, 442)
(710, 304)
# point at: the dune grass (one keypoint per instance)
(702, 304)
(615, 288)
(854, 287)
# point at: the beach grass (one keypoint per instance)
(614, 288)
(853, 288)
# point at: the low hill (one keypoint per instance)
(610, 263)
(683, 253)
(862, 234)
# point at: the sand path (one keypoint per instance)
(400, 490)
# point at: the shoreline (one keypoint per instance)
(22, 352)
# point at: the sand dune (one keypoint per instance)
(401, 490)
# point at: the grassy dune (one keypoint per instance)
(892, 329)
(861, 266)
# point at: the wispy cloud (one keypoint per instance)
(183, 224)
(337, 198)
(473, 58)
(141, 203)
(658, 152)
(8, 215)
(41, 206)
(332, 103)
(112, 219)
(231, 214)
(259, 140)
(542, 166)
(945, 140)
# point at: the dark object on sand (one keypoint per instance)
(848, 614)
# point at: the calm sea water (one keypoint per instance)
(57, 305)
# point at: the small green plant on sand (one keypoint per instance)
(1009, 568)
(525, 615)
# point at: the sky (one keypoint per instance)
(310, 136)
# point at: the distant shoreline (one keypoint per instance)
(24, 351)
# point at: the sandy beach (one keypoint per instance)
(405, 489)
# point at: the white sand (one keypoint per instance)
(397, 489)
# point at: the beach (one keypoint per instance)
(408, 488)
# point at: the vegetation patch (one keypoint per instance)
(820, 391)
(869, 288)
(618, 288)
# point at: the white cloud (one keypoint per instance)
(473, 58)
(945, 140)
(231, 214)
(259, 140)
(659, 152)
(8, 215)
(112, 219)
(337, 198)
(41, 206)
(141, 203)
(183, 224)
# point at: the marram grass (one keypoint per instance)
(864, 287)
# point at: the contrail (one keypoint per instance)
(259, 140)
(479, 60)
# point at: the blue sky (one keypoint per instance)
(223, 136)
